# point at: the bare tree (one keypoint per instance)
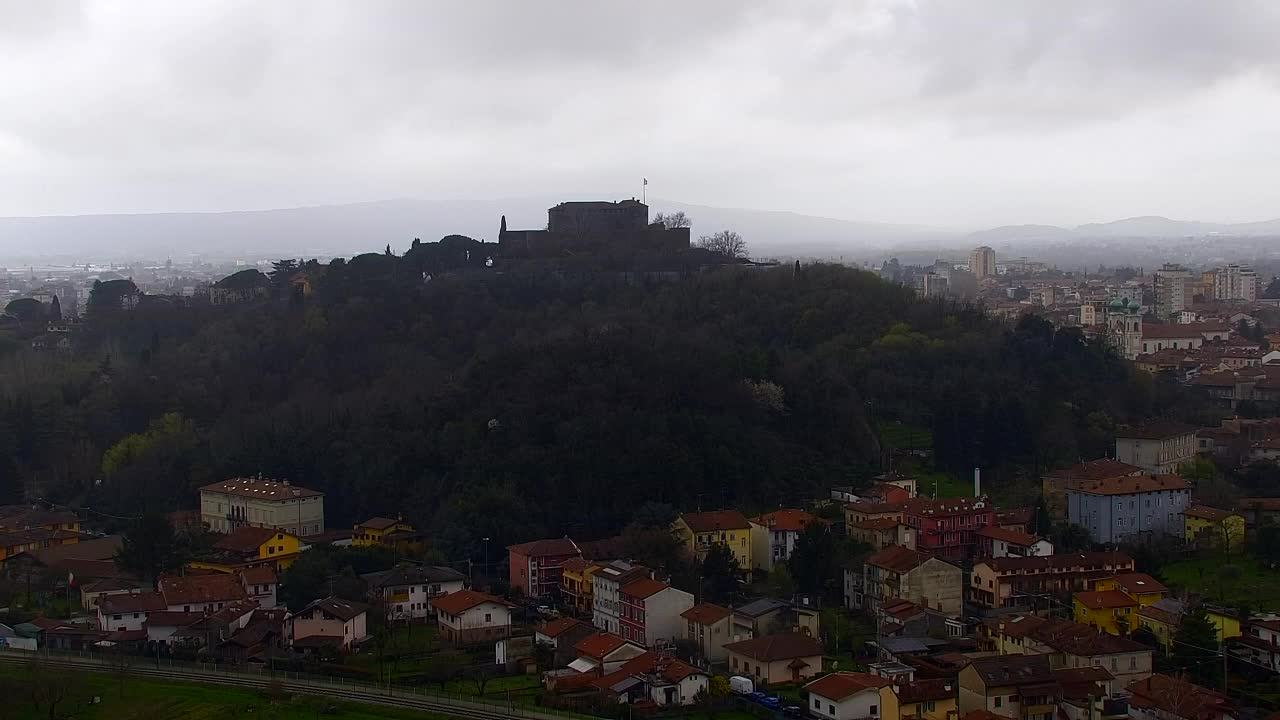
(673, 220)
(726, 242)
(53, 694)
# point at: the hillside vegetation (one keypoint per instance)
(482, 404)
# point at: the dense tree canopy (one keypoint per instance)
(500, 405)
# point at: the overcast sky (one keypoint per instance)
(959, 113)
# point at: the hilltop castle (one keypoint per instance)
(580, 228)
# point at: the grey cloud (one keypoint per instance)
(851, 108)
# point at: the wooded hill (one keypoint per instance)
(514, 406)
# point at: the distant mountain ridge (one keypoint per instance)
(1147, 226)
(345, 230)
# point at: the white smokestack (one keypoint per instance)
(977, 482)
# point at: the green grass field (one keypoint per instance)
(1249, 584)
(145, 698)
(905, 437)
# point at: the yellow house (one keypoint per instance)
(396, 533)
(1140, 587)
(576, 584)
(1227, 625)
(928, 700)
(1162, 624)
(697, 532)
(1213, 527)
(1110, 611)
(254, 544)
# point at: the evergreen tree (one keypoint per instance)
(814, 562)
(150, 548)
(719, 574)
(1195, 648)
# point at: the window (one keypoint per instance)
(135, 616)
(928, 706)
(1133, 662)
(874, 711)
(115, 617)
(817, 704)
(999, 701)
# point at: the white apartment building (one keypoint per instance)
(606, 605)
(1235, 282)
(259, 502)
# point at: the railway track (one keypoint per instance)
(453, 708)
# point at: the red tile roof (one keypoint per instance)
(575, 565)
(245, 539)
(1178, 697)
(877, 524)
(706, 613)
(196, 589)
(556, 628)
(716, 520)
(1204, 512)
(551, 547)
(945, 506)
(1101, 599)
(1097, 470)
(1131, 485)
(378, 523)
(1013, 537)
(259, 575)
(599, 645)
(1065, 561)
(925, 690)
(456, 603)
(784, 646)
(131, 603)
(1178, 331)
(788, 520)
(898, 559)
(839, 685)
(166, 618)
(1139, 583)
(262, 489)
(643, 588)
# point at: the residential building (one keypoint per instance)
(774, 659)
(1162, 620)
(1018, 519)
(1210, 527)
(1068, 645)
(649, 612)
(899, 573)
(1013, 582)
(997, 542)
(946, 528)
(881, 533)
(16, 542)
(1259, 644)
(24, 517)
(127, 611)
(604, 653)
(699, 531)
(200, 593)
(406, 591)
(1235, 282)
(1159, 447)
(1120, 508)
(1161, 697)
(931, 699)
(852, 695)
(1180, 336)
(1053, 487)
(163, 625)
(561, 635)
(1019, 687)
(386, 532)
(333, 621)
(1144, 589)
(1171, 290)
(777, 538)
(982, 262)
(260, 502)
(577, 585)
(709, 627)
(91, 591)
(1088, 693)
(249, 544)
(535, 567)
(606, 604)
(260, 584)
(1258, 511)
(468, 617)
(655, 678)
(769, 616)
(864, 511)
(1110, 611)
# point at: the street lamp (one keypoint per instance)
(486, 556)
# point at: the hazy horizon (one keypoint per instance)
(954, 116)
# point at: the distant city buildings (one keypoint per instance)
(1171, 290)
(1235, 282)
(982, 262)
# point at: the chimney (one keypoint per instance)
(977, 482)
